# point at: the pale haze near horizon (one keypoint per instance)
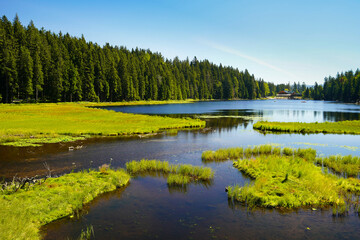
(278, 41)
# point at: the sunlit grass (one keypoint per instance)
(25, 211)
(342, 127)
(287, 177)
(285, 181)
(349, 165)
(267, 149)
(178, 174)
(33, 124)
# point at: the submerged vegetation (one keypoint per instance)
(24, 210)
(346, 127)
(286, 177)
(34, 124)
(179, 174)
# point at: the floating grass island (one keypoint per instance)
(24, 210)
(341, 127)
(35, 124)
(177, 174)
(288, 178)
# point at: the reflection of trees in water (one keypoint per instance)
(340, 116)
(225, 120)
(226, 123)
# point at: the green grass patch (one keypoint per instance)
(35, 124)
(342, 127)
(288, 178)
(224, 154)
(349, 165)
(177, 174)
(23, 212)
(285, 181)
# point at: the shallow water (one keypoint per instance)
(148, 209)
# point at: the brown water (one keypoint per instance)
(148, 209)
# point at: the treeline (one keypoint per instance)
(38, 65)
(344, 87)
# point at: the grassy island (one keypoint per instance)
(24, 211)
(288, 178)
(179, 174)
(342, 127)
(34, 124)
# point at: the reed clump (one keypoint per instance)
(348, 165)
(23, 212)
(341, 127)
(260, 150)
(179, 174)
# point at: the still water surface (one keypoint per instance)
(148, 209)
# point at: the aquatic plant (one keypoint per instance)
(177, 174)
(223, 154)
(23, 212)
(35, 124)
(87, 234)
(349, 165)
(341, 127)
(178, 179)
(284, 181)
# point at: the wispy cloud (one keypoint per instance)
(242, 55)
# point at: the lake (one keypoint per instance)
(148, 209)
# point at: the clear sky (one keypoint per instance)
(277, 40)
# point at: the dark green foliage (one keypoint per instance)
(40, 65)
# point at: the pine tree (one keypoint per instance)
(25, 73)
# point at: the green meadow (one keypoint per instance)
(341, 127)
(35, 124)
(25, 210)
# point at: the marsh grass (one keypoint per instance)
(25, 211)
(348, 165)
(291, 180)
(341, 127)
(267, 149)
(179, 174)
(35, 124)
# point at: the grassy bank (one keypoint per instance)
(34, 124)
(179, 174)
(342, 127)
(23, 212)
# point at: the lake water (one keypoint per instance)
(148, 209)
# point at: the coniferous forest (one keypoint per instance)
(38, 65)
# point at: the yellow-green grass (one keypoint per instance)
(224, 154)
(290, 182)
(25, 211)
(133, 103)
(33, 124)
(178, 174)
(349, 165)
(342, 127)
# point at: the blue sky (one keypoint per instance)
(279, 41)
